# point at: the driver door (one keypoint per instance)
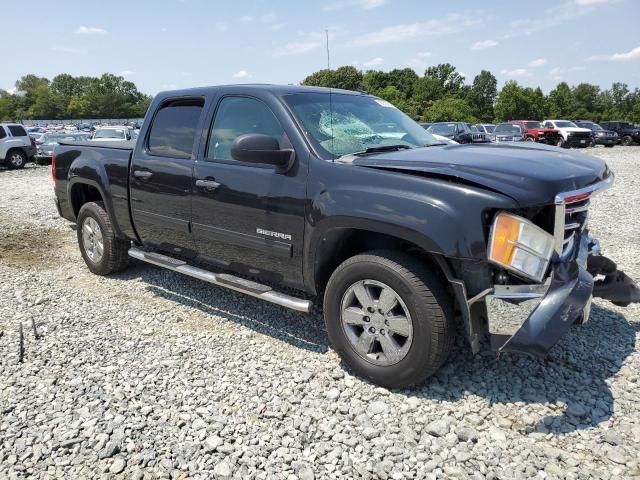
(246, 217)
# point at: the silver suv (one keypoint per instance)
(16, 147)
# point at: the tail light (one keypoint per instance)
(53, 166)
(33, 142)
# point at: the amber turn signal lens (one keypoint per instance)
(506, 230)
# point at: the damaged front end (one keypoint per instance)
(531, 317)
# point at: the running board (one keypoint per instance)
(232, 282)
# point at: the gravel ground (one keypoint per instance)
(149, 374)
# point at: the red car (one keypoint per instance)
(534, 131)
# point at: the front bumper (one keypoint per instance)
(606, 140)
(532, 318)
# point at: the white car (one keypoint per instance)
(112, 134)
(571, 134)
(16, 147)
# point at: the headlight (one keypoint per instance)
(600, 134)
(520, 246)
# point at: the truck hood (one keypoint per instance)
(575, 130)
(531, 174)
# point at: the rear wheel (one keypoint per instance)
(16, 159)
(389, 318)
(101, 250)
(626, 140)
(530, 139)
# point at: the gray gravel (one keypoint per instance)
(148, 374)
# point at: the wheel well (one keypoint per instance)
(13, 149)
(341, 244)
(82, 193)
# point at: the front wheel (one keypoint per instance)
(529, 139)
(626, 141)
(16, 159)
(389, 318)
(101, 250)
(560, 142)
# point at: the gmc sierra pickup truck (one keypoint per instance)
(341, 197)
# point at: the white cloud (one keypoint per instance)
(584, 3)
(295, 48)
(127, 73)
(241, 74)
(246, 19)
(277, 27)
(538, 62)
(424, 54)
(632, 54)
(484, 44)
(373, 62)
(516, 72)
(364, 4)
(83, 30)
(397, 33)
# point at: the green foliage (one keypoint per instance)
(450, 109)
(441, 94)
(519, 103)
(108, 96)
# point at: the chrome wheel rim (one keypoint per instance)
(92, 239)
(16, 160)
(377, 323)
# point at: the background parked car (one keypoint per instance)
(51, 140)
(107, 134)
(534, 131)
(627, 131)
(572, 135)
(599, 136)
(16, 146)
(508, 132)
(487, 128)
(460, 132)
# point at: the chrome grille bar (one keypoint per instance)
(563, 202)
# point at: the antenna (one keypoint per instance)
(326, 31)
(328, 55)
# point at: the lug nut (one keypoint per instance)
(372, 330)
(382, 331)
(366, 319)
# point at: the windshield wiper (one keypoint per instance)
(436, 144)
(383, 148)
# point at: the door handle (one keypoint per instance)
(142, 174)
(208, 185)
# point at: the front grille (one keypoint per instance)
(478, 137)
(572, 213)
(580, 135)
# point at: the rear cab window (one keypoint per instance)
(17, 131)
(174, 130)
(2, 132)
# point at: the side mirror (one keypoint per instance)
(258, 148)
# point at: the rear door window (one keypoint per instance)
(2, 132)
(175, 128)
(17, 131)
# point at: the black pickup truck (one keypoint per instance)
(341, 197)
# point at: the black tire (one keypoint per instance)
(626, 141)
(529, 139)
(427, 301)
(15, 160)
(560, 142)
(114, 257)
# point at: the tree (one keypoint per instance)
(483, 94)
(585, 101)
(450, 109)
(45, 104)
(516, 102)
(560, 102)
(346, 77)
(447, 77)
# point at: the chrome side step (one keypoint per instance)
(232, 282)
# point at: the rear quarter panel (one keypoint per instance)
(106, 169)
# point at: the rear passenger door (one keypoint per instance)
(161, 175)
(246, 217)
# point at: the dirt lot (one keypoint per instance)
(148, 374)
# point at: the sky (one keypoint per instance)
(168, 44)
